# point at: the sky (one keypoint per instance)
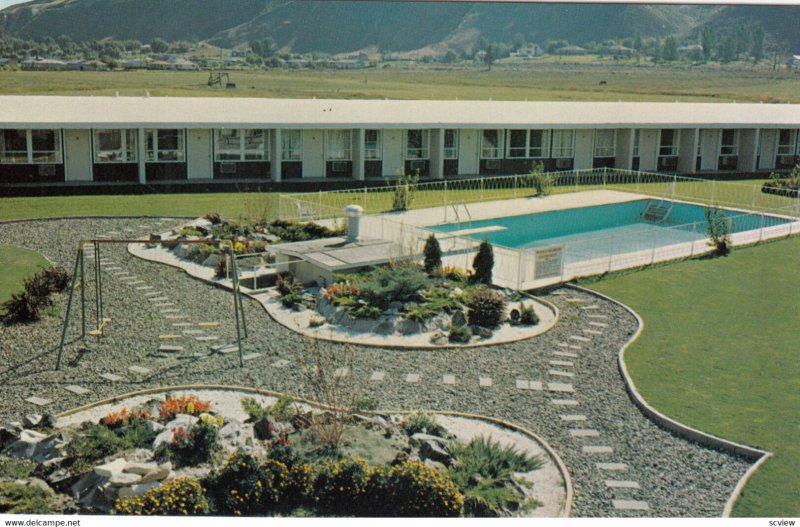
(6, 3)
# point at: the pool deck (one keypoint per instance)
(512, 207)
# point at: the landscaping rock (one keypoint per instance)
(26, 446)
(32, 420)
(386, 326)
(164, 438)
(89, 493)
(230, 431)
(301, 421)
(8, 435)
(433, 450)
(111, 468)
(161, 473)
(439, 339)
(138, 489)
(440, 322)
(434, 464)
(154, 426)
(141, 468)
(325, 307)
(419, 438)
(39, 484)
(458, 318)
(212, 260)
(364, 325)
(407, 326)
(265, 428)
(123, 479)
(481, 332)
(182, 420)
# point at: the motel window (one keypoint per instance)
(30, 146)
(417, 144)
(605, 142)
(292, 145)
(241, 145)
(337, 145)
(492, 144)
(115, 146)
(563, 143)
(164, 146)
(787, 142)
(636, 138)
(13, 146)
(668, 143)
(517, 143)
(528, 143)
(451, 144)
(372, 145)
(729, 143)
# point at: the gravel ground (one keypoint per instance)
(676, 477)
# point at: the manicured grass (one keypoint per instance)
(536, 80)
(720, 352)
(17, 264)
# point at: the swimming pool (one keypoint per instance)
(589, 232)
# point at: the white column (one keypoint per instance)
(276, 151)
(687, 150)
(358, 154)
(748, 144)
(624, 153)
(584, 149)
(648, 149)
(140, 147)
(437, 153)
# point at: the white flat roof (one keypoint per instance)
(218, 112)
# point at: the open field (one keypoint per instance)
(719, 352)
(17, 263)
(534, 81)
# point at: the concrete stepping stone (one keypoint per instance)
(584, 432)
(251, 356)
(159, 299)
(614, 467)
(621, 484)
(38, 401)
(412, 377)
(630, 505)
(559, 293)
(590, 308)
(121, 274)
(175, 317)
(208, 324)
(579, 338)
(140, 370)
(449, 379)
(595, 449)
(206, 338)
(597, 317)
(341, 372)
(578, 300)
(144, 287)
(78, 390)
(377, 376)
(523, 384)
(575, 347)
(153, 293)
(181, 324)
(561, 363)
(598, 324)
(225, 348)
(282, 363)
(168, 337)
(563, 344)
(564, 402)
(560, 387)
(485, 382)
(191, 331)
(164, 304)
(565, 354)
(166, 348)
(572, 417)
(110, 269)
(111, 377)
(559, 373)
(592, 332)
(169, 310)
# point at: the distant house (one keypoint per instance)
(87, 65)
(528, 52)
(620, 51)
(691, 50)
(135, 64)
(4, 62)
(234, 62)
(39, 64)
(571, 50)
(795, 62)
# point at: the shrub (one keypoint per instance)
(124, 417)
(281, 410)
(26, 305)
(411, 489)
(292, 231)
(214, 218)
(236, 489)
(13, 468)
(483, 263)
(719, 231)
(195, 447)
(461, 334)
(542, 183)
(486, 308)
(420, 312)
(433, 254)
(57, 278)
(403, 191)
(176, 497)
(221, 269)
(189, 231)
(339, 290)
(454, 273)
(20, 499)
(185, 404)
(93, 442)
(490, 494)
(386, 285)
(22, 307)
(422, 423)
(289, 286)
(363, 310)
(340, 488)
(527, 315)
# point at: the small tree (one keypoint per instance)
(719, 231)
(542, 183)
(404, 190)
(433, 254)
(483, 263)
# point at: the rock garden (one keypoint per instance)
(225, 453)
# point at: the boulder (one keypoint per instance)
(434, 451)
(434, 464)
(440, 322)
(140, 468)
(89, 492)
(164, 438)
(407, 326)
(230, 431)
(439, 339)
(458, 318)
(108, 470)
(161, 473)
(138, 455)
(301, 421)
(26, 446)
(480, 331)
(212, 260)
(154, 426)
(419, 438)
(182, 420)
(124, 479)
(8, 434)
(265, 428)
(32, 420)
(138, 489)
(365, 325)
(325, 307)
(386, 326)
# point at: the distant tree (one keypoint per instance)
(132, 45)
(265, 47)
(481, 44)
(180, 46)
(450, 57)
(669, 52)
(757, 44)
(518, 42)
(708, 39)
(727, 49)
(489, 58)
(159, 45)
(637, 41)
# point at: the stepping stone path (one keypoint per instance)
(565, 354)
(560, 387)
(113, 268)
(208, 324)
(485, 382)
(590, 308)
(78, 390)
(597, 450)
(572, 417)
(584, 432)
(559, 373)
(579, 338)
(144, 287)
(38, 401)
(617, 484)
(169, 337)
(164, 348)
(111, 377)
(412, 377)
(612, 466)
(561, 363)
(598, 324)
(206, 338)
(191, 331)
(592, 332)
(153, 293)
(160, 299)
(341, 372)
(282, 363)
(574, 347)
(164, 304)
(175, 317)
(449, 379)
(377, 376)
(169, 310)
(181, 324)
(251, 356)
(225, 348)
(630, 505)
(139, 369)
(564, 402)
(597, 317)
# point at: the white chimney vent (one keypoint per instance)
(353, 214)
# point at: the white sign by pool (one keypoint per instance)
(549, 262)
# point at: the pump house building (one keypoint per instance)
(152, 140)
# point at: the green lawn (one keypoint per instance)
(17, 264)
(720, 352)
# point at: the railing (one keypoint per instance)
(754, 215)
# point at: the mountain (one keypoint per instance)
(340, 26)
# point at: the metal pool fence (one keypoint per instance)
(755, 216)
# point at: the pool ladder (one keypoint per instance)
(656, 212)
(455, 207)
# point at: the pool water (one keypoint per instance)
(589, 231)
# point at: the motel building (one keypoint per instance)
(96, 141)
